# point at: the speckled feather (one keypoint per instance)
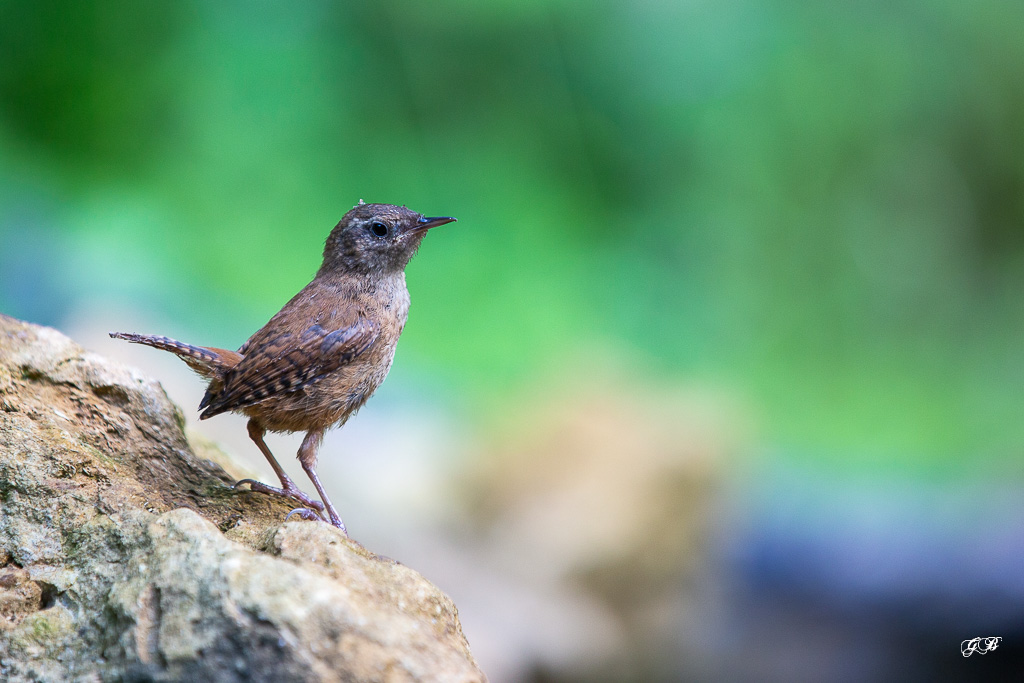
(283, 363)
(313, 376)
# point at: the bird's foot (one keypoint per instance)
(305, 513)
(335, 520)
(292, 492)
(331, 517)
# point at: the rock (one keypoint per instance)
(604, 494)
(125, 556)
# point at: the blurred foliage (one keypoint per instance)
(819, 206)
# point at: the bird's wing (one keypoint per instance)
(286, 362)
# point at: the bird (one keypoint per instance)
(317, 361)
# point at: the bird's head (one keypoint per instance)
(377, 238)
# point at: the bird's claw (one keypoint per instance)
(304, 513)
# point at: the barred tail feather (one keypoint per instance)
(209, 362)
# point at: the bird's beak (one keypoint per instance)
(428, 223)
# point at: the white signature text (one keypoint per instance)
(979, 645)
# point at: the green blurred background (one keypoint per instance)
(815, 209)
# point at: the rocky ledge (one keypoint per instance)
(125, 554)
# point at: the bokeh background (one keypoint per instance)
(719, 376)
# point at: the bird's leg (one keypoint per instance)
(288, 487)
(307, 456)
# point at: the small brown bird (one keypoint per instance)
(321, 357)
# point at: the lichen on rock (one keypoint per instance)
(125, 556)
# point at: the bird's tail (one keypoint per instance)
(207, 361)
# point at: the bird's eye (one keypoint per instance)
(379, 229)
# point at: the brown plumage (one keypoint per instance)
(320, 357)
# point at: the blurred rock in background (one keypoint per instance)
(608, 488)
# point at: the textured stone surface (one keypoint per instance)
(125, 556)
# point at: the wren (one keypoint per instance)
(319, 359)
